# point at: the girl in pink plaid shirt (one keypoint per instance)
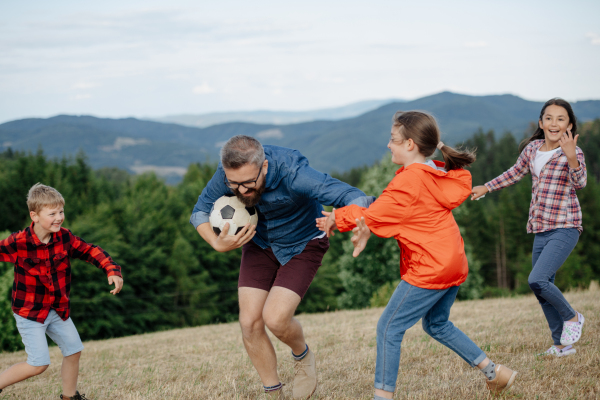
(558, 169)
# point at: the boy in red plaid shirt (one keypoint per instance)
(40, 295)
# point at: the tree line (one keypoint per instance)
(174, 279)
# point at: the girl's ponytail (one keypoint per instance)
(454, 158)
(423, 130)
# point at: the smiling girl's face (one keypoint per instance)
(555, 123)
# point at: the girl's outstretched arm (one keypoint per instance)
(515, 173)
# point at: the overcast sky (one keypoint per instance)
(155, 58)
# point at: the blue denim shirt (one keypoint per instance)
(292, 200)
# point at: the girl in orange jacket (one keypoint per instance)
(416, 209)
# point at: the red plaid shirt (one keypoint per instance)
(554, 203)
(43, 271)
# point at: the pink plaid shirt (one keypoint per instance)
(554, 203)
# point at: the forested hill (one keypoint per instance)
(168, 149)
(173, 278)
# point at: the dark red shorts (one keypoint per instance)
(260, 269)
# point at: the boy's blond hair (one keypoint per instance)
(41, 196)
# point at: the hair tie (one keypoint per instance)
(440, 145)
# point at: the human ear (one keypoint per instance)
(570, 127)
(540, 124)
(34, 217)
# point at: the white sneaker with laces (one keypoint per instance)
(555, 351)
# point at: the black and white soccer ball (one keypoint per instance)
(230, 209)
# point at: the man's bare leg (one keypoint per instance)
(278, 314)
(257, 342)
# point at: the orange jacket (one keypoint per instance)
(415, 209)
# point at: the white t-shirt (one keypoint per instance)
(541, 158)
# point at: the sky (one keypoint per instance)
(155, 58)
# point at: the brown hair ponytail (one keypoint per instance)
(423, 130)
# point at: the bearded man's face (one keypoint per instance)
(247, 175)
(252, 196)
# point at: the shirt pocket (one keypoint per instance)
(60, 261)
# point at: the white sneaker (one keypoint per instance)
(572, 331)
(555, 351)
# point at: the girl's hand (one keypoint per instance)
(360, 237)
(478, 192)
(568, 143)
(327, 223)
(321, 222)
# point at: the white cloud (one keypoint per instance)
(205, 88)
(82, 96)
(479, 43)
(594, 38)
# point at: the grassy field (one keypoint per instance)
(209, 362)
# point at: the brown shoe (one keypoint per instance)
(77, 396)
(275, 395)
(305, 376)
(503, 380)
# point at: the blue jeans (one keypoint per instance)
(407, 305)
(550, 251)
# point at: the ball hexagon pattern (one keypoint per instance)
(230, 209)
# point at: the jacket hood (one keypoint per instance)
(450, 188)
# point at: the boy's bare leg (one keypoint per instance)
(69, 372)
(278, 315)
(257, 342)
(19, 372)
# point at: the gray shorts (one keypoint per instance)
(33, 335)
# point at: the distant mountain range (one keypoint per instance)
(168, 149)
(275, 117)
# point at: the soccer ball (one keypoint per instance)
(230, 209)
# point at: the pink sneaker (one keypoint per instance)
(572, 331)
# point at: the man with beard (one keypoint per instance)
(281, 255)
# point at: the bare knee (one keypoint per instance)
(36, 370)
(251, 326)
(277, 323)
(73, 357)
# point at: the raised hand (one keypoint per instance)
(478, 192)
(360, 237)
(568, 143)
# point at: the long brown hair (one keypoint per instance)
(423, 130)
(539, 132)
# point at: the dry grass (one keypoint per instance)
(209, 362)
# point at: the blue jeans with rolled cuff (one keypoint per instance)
(407, 305)
(550, 251)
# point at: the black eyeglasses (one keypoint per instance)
(247, 184)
